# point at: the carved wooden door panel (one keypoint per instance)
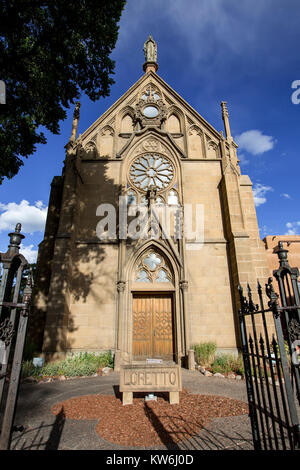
(142, 326)
(152, 326)
(162, 326)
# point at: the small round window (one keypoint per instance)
(150, 111)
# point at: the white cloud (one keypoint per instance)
(32, 217)
(255, 142)
(243, 159)
(293, 228)
(259, 193)
(285, 195)
(29, 252)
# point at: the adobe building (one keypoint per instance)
(291, 243)
(153, 296)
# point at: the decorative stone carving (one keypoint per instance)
(151, 145)
(184, 285)
(121, 286)
(150, 109)
(107, 130)
(151, 92)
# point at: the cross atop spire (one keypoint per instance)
(150, 51)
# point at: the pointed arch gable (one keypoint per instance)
(130, 265)
(163, 144)
(138, 136)
(126, 110)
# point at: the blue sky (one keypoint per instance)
(242, 51)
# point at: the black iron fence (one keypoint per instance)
(14, 310)
(270, 342)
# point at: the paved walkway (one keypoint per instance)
(43, 431)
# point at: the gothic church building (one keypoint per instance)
(150, 297)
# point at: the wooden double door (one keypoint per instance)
(153, 326)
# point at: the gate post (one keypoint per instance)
(287, 279)
(13, 262)
(248, 375)
(277, 311)
(14, 381)
(13, 265)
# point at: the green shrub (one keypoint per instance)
(204, 353)
(216, 368)
(81, 364)
(225, 363)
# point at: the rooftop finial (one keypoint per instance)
(150, 51)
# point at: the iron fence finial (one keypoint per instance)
(15, 238)
(282, 254)
(259, 288)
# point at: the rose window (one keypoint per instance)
(151, 170)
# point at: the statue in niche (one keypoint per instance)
(150, 50)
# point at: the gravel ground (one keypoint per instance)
(45, 431)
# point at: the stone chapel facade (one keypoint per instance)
(148, 297)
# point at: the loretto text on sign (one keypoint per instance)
(150, 378)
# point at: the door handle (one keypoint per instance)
(154, 332)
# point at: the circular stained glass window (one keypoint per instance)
(150, 111)
(151, 170)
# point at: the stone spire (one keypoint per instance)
(150, 51)
(75, 122)
(226, 120)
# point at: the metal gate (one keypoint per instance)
(14, 309)
(270, 342)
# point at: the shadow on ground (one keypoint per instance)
(44, 431)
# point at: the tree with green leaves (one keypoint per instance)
(50, 53)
